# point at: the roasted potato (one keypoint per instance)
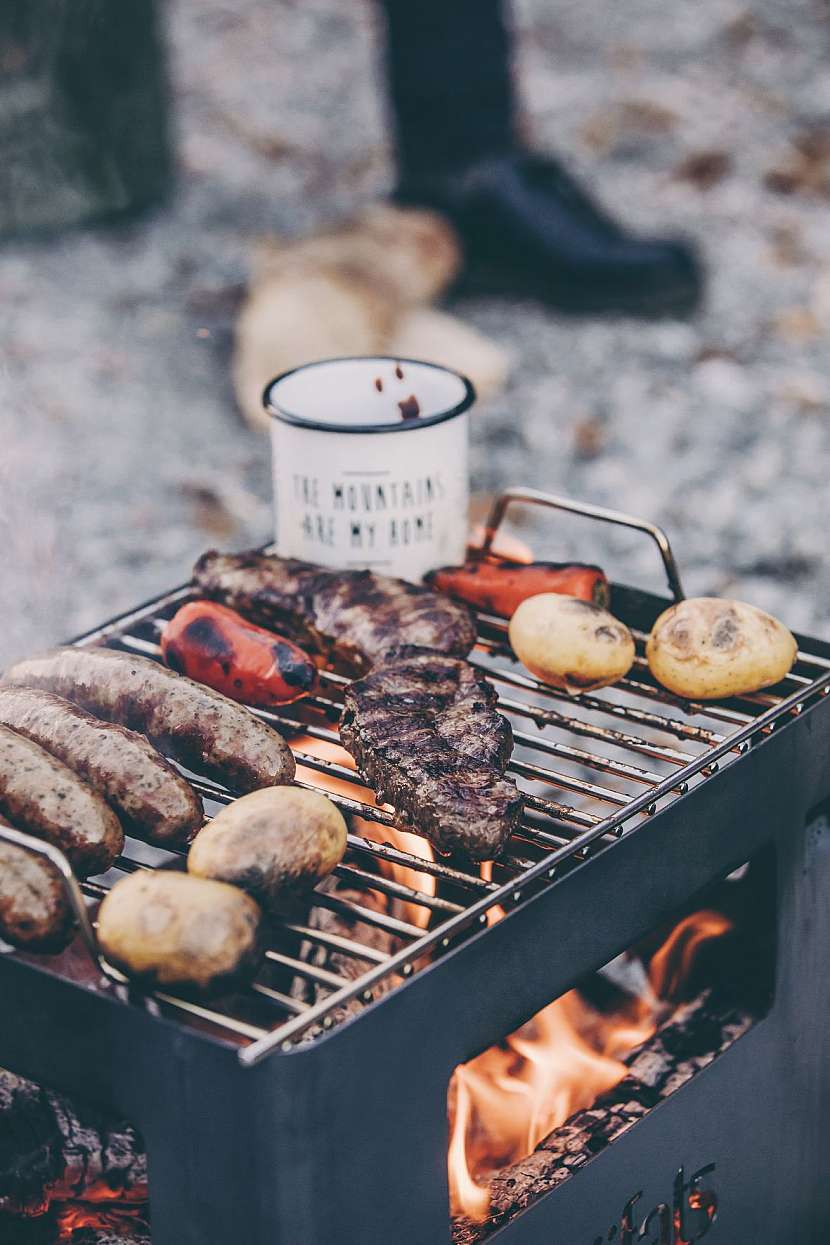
(707, 649)
(570, 643)
(273, 843)
(181, 932)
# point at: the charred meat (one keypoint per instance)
(427, 738)
(353, 618)
(42, 796)
(195, 725)
(34, 910)
(146, 792)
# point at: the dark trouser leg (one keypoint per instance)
(526, 227)
(449, 65)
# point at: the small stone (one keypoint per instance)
(726, 382)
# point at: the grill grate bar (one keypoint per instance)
(376, 882)
(607, 734)
(669, 726)
(557, 779)
(303, 969)
(419, 864)
(337, 942)
(620, 768)
(288, 1004)
(356, 912)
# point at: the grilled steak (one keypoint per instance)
(352, 617)
(203, 730)
(425, 735)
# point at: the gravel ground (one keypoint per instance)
(123, 456)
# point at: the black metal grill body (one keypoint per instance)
(343, 1141)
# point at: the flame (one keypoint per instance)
(404, 840)
(671, 965)
(497, 912)
(509, 1098)
(504, 546)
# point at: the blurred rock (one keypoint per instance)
(704, 169)
(83, 112)
(725, 381)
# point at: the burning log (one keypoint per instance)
(52, 1150)
(104, 1236)
(80, 1224)
(697, 1033)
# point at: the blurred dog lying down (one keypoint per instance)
(364, 288)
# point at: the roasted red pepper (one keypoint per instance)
(216, 646)
(499, 586)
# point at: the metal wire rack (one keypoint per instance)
(590, 768)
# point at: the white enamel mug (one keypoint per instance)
(370, 464)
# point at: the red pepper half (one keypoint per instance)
(498, 586)
(216, 646)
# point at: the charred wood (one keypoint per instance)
(693, 1038)
(108, 1229)
(54, 1150)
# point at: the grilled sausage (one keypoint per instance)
(34, 911)
(216, 646)
(273, 844)
(43, 797)
(177, 931)
(146, 792)
(198, 727)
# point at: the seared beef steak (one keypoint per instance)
(352, 617)
(425, 735)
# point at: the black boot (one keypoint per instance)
(527, 229)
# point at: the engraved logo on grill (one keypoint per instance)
(692, 1213)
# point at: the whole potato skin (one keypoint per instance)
(570, 643)
(180, 932)
(275, 843)
(705, 648)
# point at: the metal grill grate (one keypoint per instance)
(590, 767)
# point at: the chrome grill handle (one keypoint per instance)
(535, 497)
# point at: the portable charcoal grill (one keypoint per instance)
(270, 1119)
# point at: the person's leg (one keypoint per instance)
(526, 226)
(450, 83)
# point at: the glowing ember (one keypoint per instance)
(76, 1215)
(509, 1098)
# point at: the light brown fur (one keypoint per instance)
(363, 288)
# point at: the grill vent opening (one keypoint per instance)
(527, 1113)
